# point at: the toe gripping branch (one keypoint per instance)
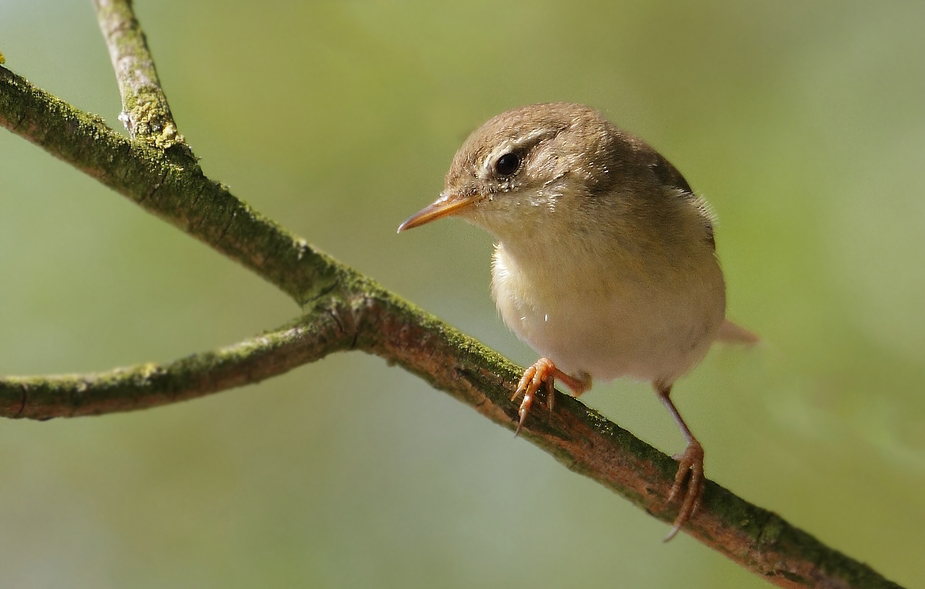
(544, 373)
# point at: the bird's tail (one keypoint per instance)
(731, 333)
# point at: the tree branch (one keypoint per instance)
(149, 385)
(176, 191)
(345, 310)
(145, 111)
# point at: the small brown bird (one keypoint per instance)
(605, 262)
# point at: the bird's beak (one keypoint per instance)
(444, 206)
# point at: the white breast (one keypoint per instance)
(610, 321)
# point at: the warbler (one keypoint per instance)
(605, 261)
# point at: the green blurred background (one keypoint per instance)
(801, 122)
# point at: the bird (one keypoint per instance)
(605, 261)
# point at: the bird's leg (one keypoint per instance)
(542, 372)
(691, 462)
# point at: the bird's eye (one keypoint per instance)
(507, 164)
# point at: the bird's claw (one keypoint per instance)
(543, 372)
(690, 463)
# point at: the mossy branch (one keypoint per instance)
(343, 310)
(145, 111)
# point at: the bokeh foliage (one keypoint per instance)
(800, 122)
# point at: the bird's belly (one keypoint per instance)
(642, 333)
(616, 345)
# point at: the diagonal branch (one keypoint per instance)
(145, 112)
(174, 191)
(345, 310)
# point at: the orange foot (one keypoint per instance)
(544, 372)
(691, 462)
